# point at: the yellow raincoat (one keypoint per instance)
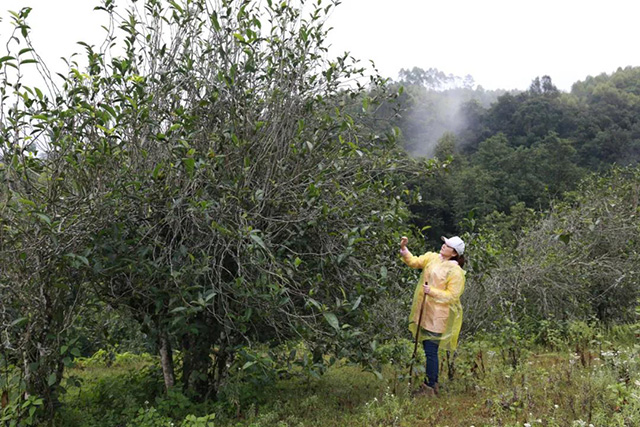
(442, 309)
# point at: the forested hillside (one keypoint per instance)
(528, 147)
(215, 205)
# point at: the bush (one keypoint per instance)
(113, 399)
(398, 352)
(193, 421)
(150, 417)
(208, 174)
(550, 333)
(577, 262)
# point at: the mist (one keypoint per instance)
(436, 112)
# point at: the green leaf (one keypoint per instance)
(51, 380)
(109, 109)
(315, 303)
(258, 240)
(176, 5)
(214, 21)
(357, 303)
(44, 218)
(248, 365)
(189, 165)
(19, 322)
(80, 258)
(27, 202)
(156, 170)
(383, 272)
(333, 320)
(220, 228)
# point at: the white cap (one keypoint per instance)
(455, 242)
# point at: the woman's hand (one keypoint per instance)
(403, 242)
(403, 246)
(426, 288)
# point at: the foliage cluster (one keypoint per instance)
(577, 262)
(211, 184)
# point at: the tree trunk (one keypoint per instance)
(166, 361)
(38, 368)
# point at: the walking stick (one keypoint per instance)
(415, 346)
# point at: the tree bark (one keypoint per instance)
(166, 361)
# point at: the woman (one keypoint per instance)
(442, 281)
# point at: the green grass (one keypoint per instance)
(545, 389)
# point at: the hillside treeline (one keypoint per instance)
(209, 182)
(529, 147)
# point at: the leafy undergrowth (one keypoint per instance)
(545, 390)
(563, 388)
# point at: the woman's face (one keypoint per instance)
(447, 251)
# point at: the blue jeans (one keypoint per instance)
(431, 354)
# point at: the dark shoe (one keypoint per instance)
(424, 390)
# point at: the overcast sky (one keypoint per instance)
(501, 43)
